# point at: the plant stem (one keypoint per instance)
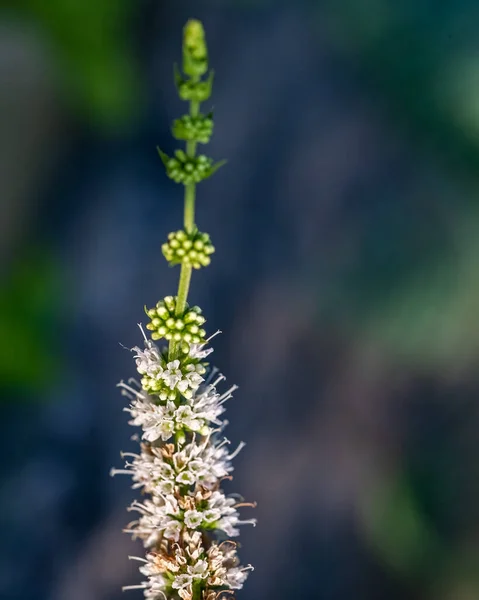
(190, 195)
(196, 592)
(189, 224)
(183, 287)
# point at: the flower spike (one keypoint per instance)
(184, 518)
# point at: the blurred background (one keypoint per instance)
(346, 282)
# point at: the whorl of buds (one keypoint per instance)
(191, 90)
(165, 323)
(193, 129)
(189, 169)
(189, 248)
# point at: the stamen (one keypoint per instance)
(250, 504)
(114, 472)
(142, 586)
(147, 341)
(225, 441)
(128, 388)
(234, 544)
(248, 568)
(248, 522)
(218, 380)
(214, 335)
(137, 558)
(211, 374)
(240, 447)
(229, 393)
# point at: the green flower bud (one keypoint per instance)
(195, 52)
(192, 249)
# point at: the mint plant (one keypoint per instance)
(184, 518)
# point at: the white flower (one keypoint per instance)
(148, 361)
(199, 570)
(236, 577)
(186, 478)
(181, 581)
(172, 530)
(156, 520)
(172, 374)
(166, 487)
(193, 518)
(185, 416)
(197, 351)
(212, 515)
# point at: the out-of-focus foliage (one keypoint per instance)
(29, 317)
(397, 528)
(424, 55)
(91, 46)
(414, 282)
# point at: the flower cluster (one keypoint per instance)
(167, 378)
(191, 248)
(191, 566)
(180, 465)
(185, 327)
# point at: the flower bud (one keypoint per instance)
(195, 52)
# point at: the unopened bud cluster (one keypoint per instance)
(193, 129)
(185, 327)
(187, 169)
(194, 91)
(190, 248)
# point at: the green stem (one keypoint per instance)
(190, 195)
(183, 287)
(196, 592)
(189, 224)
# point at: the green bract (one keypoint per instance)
(184, 327)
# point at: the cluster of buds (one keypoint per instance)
(185, 327)
(189, 169)
(193, 90)
(191, 248)
(183, 455)
(193, 129)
